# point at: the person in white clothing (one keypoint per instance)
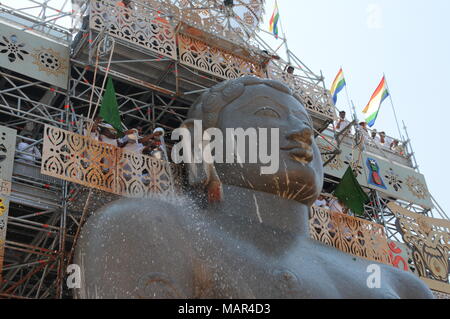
(336, 206)
(134, 142)
(374, 137)
(387, 141)
(321, 202)
(107, 134)
(364, 132)
(27, 152)
(342, 122)
(95, 133)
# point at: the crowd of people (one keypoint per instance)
(378, 139)
(28, 151)
(131, 140)
(333, 204)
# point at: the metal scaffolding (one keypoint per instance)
(154, 87)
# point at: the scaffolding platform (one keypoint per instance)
(162, 58)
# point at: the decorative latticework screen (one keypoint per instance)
(199, 55)
(140, 176)
(314, 97)
(79, 159)
(141, 26)
(87, 162)
(351, 235)
(429, 240)
(7, 152)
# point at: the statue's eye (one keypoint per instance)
(268, 112)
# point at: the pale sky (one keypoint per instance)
(405, 39)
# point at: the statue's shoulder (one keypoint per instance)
(406, 284)
(144, 211)
(355, 275)
(137, 225)
(144, 247)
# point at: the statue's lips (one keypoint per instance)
(301, 152)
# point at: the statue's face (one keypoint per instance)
(300, 173)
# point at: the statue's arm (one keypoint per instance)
(136, 249)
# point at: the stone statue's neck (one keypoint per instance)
(262, 218)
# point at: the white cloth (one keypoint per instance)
(375, 139)
(134, 147)
(94, 135)
(387, 142)
(107, 140)
(104, 138)
(342, 125)
(365, 134)
(32, 155)
(336, 207)
(123, 139)
(320, 203)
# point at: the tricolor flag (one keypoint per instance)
(338, 85)
(374, 105)
(273, 27)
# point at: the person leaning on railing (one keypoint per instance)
(342, 122)
(288, 74)
(108, 134)
(27, 152)
(321, 202)
(267, 60)
(374, 136)
(397, 148)
(364, 131)
(153, 146)
(385, 141)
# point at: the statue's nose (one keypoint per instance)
(304, 135)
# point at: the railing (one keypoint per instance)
(351, 235)
(210, 17)
(429, 242)
(425, 251)
(315, 98)
(152, 26)
(141, 26)
(217, 62)
(82, 160)
(382, 150)
(373, 146)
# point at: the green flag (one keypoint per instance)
(350, 193)
(109, 109)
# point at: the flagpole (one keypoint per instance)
(346, 91)
(393, 108)
(284, 34)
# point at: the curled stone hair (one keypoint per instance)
(210, 103)
(208, 108)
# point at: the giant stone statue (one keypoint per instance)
(234, 233)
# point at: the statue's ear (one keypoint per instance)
(200, 173)
(196, 173)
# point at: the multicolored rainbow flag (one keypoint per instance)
(338, 84)
(273, 27)
(373, 107)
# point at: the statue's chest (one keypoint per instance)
(285, 283)
(262, 278)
